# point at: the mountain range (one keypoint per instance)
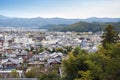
(84, 26)
(39, 22)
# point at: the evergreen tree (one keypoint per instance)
(110, 36)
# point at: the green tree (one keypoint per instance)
(68, 49)
(14, 74)
(30, 74)
(86, 75)
(110, 36)
(102, 65)
(77, 51)
(59, 50)
(73, 64)
(40, 50)
(49, 76)
(109, 62)
(113, 66)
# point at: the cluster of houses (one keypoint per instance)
(86, 40)
(16, 53)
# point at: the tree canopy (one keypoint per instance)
(110, 36)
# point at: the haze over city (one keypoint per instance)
(60, 8)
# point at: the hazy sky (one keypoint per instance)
(60, 8)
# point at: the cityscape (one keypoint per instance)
(40, 47)
(59, 40)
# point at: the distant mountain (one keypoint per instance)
(4, 17)
(39, 22)
(86, 26)
(33, 22)
(95, 19)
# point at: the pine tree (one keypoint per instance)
(110, 36)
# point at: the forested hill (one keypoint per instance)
(84, 26)
(39, 22)
(60, 24)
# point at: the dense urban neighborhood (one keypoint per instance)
(21, 50)
(51, 55)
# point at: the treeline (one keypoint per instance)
(82, 26)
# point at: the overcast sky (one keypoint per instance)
(60, 8)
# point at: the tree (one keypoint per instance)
(110, 36)
(102, 65)
(34, 72)
(112, 68)
(49, 76)
(14, 74)
(77, 50)
(109, 62)
(50, 73)
(68, 49)
(30, 74)
(59, 50)
(73, 64)
(86, 75)
(40, 50)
